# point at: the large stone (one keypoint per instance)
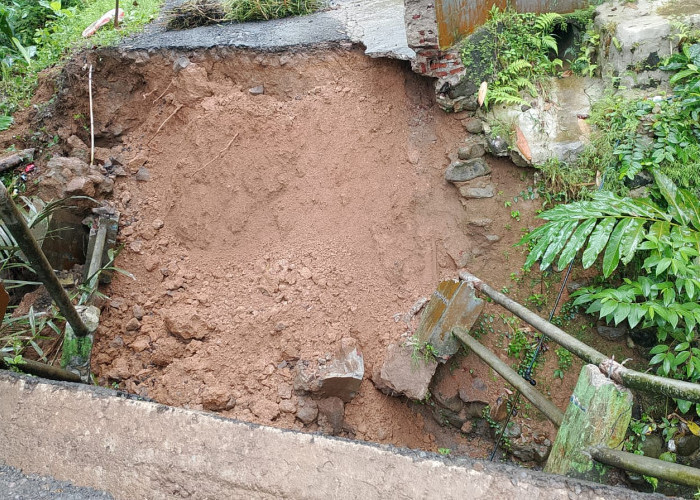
(471, 152)
(477, 193)
(402, 373)
(331, 415)
(552, 128)
(636, 37)
(341, 377)
(687, 444)
(612, 333)
(462, 171)
(307, 410)
(452, 304)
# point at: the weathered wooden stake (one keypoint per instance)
(676, 473)
(598, 414)
(543, 404)
(17, 226)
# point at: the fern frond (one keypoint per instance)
(545, 22)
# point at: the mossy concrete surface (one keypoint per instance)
(598, 414)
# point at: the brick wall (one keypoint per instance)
(422, 37)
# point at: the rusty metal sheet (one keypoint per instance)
(540, 6)
(458, 18)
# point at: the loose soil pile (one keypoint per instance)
(277, 204)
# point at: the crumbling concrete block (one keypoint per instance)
(404, 374)
(341, 377)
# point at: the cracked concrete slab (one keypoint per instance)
(131, 448)
(376, 24)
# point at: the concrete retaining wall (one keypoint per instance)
(136, 449)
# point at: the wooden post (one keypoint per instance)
(17, 226)
(675, 473)
(543, 404)
(629, 378)
(598, 414)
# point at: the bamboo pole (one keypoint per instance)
(17, 226)
(44, 370)
(669, 471)
(511, 376)
(624, 376)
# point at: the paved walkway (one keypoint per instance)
(17, 486)
(377, 24)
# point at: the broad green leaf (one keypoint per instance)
(659, 348)
(608, 307)
(597, 241)
(557, 244)
(691, 206)
(683, 405)
(612, 253)
(576, 242)
(631, 239)
(621, 313)
(681, 358)
(670, 191)
(542, 244)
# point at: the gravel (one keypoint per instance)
(17, 486)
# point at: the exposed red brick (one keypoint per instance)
(416, 16)
(456, 70)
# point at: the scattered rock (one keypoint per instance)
(612, 333)
(284, 391)
(132, 325)
(257, 90)
(653, 446)
(217, 399)
(143, 174)
(287, 406)
(78, 149)
(341, 377)
(80, 186)
(471, 152)
(480, 222)
(640, 192)
(687, 444)
(513, 431)
(497, 145)
(158, 224)
(265, 409)
(307, 410)
(473, 125)
(401, 374)
(138, 312)
(451, 402)
(467, 427)
(493, 238)
(331, 414)
(194, 328)
(499, 411)
(461, 171)
(530, 452)
(471, 193)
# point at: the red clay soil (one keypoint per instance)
(275, 225)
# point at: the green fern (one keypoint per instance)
(547, 22)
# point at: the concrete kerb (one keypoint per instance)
(134, 448)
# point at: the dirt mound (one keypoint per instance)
(277, 204)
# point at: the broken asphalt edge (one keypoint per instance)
(135, 448)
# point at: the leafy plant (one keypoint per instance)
(663, 237)
(564, 360)
(521, 44)
(444, 451)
